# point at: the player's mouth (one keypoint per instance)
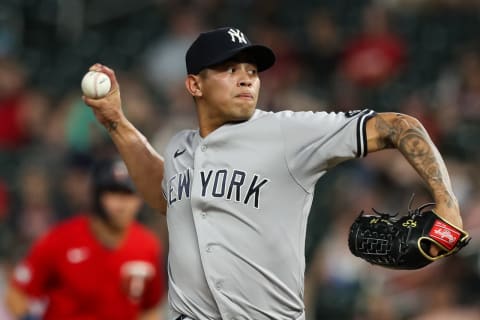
(245, 95)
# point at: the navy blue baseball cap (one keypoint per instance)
(219, 45)
(112, 175)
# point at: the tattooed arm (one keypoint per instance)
(145, 165)
(405, 133)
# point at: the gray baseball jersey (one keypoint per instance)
(238, 203)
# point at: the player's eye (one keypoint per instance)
(231, 69)
(252, 72)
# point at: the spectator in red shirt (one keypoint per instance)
(23, 110)
(101, 265)
(377, 53)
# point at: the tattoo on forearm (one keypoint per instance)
(112, 125)
(385, 130)
(411, 139)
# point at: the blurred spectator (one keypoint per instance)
(139, 104)
(34, 211)
(21, 109)
(285, 74)
(459, 85)
(323, 44)
(72, 126)
(443, 304)
(289, 81)
(458, 97)
(439, 300)
(163, 68)
(376, 54)
(4, 200)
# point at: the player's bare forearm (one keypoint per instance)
(145, 165)
(407, 134)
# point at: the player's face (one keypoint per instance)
(121, 208)
(230, 90)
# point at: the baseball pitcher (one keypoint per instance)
(238, 190)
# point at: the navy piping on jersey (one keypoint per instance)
(362, 132)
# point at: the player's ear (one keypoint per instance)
(193, 85)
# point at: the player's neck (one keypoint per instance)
(209, 122)
(109, 236)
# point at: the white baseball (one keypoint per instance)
(95, 84)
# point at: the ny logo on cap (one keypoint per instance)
(236, 34)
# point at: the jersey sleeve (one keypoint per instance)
(34, 273)
(318, 141)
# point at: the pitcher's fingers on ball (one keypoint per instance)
(113, 79)
(88, 101)
(109, 72)
(96, 67)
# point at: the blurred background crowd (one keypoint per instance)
(420, 57)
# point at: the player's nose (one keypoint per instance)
(244, 80)
(244, 77)
(245, 83)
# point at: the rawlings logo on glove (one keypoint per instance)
(445, 234)
(404, 243)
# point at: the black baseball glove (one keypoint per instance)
(404, 243)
